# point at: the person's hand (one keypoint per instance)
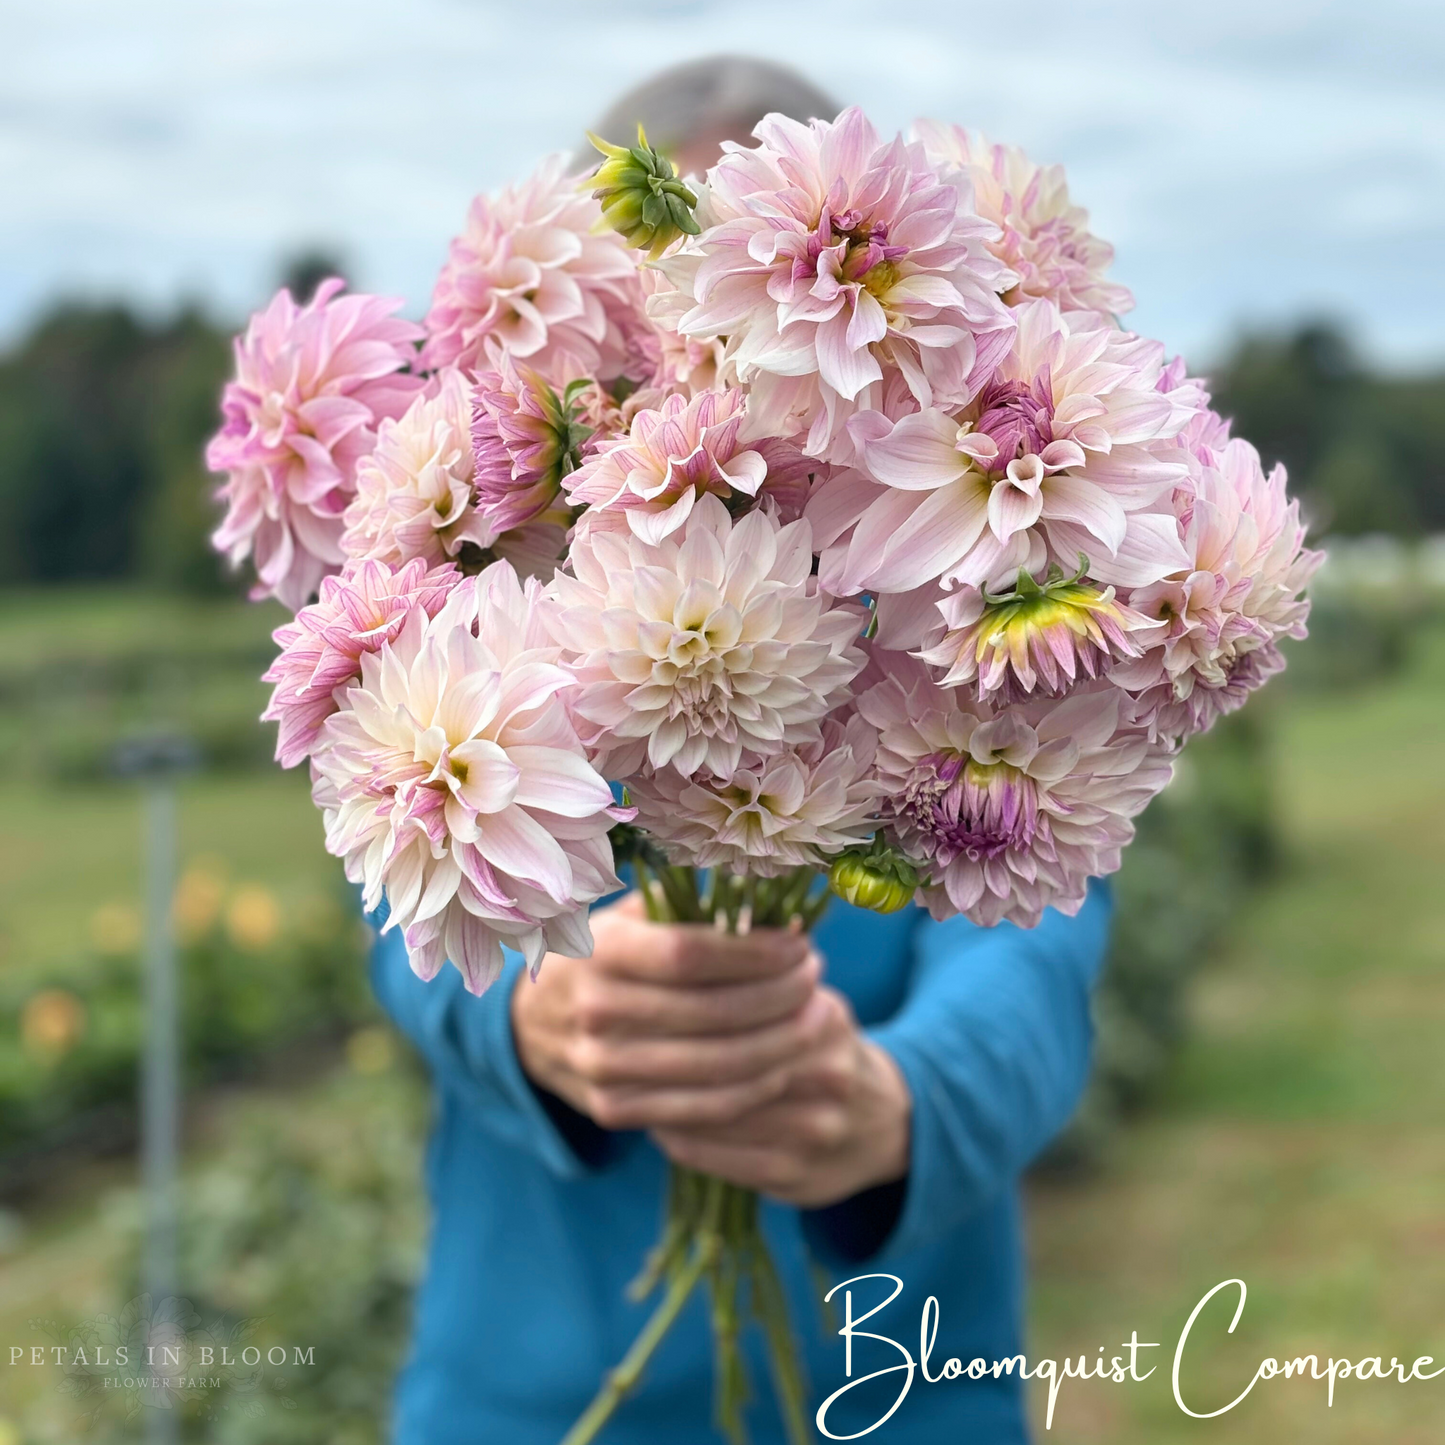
(669, 1025)
(841, 1126)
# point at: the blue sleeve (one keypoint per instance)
(468, 1045)
(994, 1040)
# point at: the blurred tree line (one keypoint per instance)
(1365, 451)
(104, 415)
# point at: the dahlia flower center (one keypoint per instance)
(1019, 417)
(972, 809)
(867, 258)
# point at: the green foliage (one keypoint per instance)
(82, 669)
(308, 1231)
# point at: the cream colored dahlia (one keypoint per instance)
(710, 642)
(417, 495)
(414, 494)
(794, 809)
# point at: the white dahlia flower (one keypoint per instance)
(713, 641)
(792, 810)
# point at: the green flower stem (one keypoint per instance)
(713, 1233)
(770, 1306)
(622, 1380)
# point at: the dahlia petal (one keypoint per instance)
(919, 454)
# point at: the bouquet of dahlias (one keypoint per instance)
(813, 526)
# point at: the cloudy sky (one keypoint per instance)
(1252, 160)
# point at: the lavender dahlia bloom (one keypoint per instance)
(1012, 809)
(357, 612)
(312, 383)
(452, 781)
(531, 276)
(1044, 239)
(829, 261)
(711, 642)
(791, 810)
(1068, 450)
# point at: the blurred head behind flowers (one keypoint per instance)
(689, 110)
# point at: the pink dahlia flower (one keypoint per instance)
(357, 611)
(1010, 810)
(414, 494)
(1206, 432)
(681, 363)
(713, 641)
(1044, 239)
(685, 449)
(830, 261)
(791, 810)
(312, 383)
(525, 439)
(1067, 451)
(531, 276)
(1240, 591)
(453, 782)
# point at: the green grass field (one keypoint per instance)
(82, 669)
(1300, 1144)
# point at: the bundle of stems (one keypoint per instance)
(711, 1234)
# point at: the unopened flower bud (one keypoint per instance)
(879, 880)
(642, 198)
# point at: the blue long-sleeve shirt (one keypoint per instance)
(539, 1224)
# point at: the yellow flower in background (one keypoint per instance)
(52, 1023)
(253, 918)
(371, 1050)
(199, 895)
(9, 1432)
(115, 928)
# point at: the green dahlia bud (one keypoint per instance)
(642, 198)
(880, 879)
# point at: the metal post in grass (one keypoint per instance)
(157, 763)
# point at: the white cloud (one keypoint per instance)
(1257, 161)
